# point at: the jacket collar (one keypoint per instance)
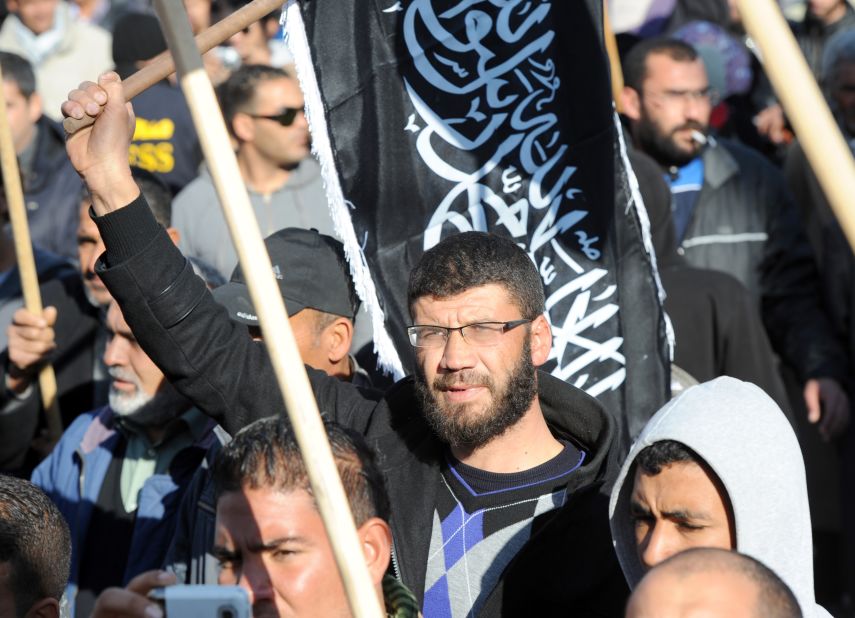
(719, 165)
(104, 425)
(49, 155)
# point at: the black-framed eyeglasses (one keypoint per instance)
(286, 117)
(478, 333)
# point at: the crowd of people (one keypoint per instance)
(479, 485)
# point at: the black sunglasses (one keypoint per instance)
(286, 117)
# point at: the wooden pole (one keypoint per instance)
(26, 261)
(162, 66)
(267, 299)
(614, 58)
(815, 127)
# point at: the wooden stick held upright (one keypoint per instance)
(26, 261)
(267, 299)
(818, 133)
(614, 57)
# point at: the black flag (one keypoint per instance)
(433, 117)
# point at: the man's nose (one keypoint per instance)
(657, 546)
(112, 353)
(255, 579)
(696, 107)
(300, 119)
(93, 257)
(457, 353)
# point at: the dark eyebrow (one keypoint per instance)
(221, 553)
(686, 515)
(636, 508)
(274, 543)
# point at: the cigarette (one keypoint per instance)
(699, 137)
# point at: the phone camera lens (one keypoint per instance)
(226, 612)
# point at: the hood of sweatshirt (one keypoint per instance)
(747, 441)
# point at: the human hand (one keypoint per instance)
(770, 122)
(828, 405)
(132, 601)
(31, 340)
(99, 152)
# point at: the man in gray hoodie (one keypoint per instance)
(719, 466)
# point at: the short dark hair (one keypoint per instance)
(635, 62)
(774, 597)
(18, 70)
(472, 259)
(35, 541)
(265, 454)
(663, 453)
(156, 193)
(237, 93)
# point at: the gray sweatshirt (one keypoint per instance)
(198, 216)
(746, 439)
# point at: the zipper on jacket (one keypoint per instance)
(82, 474)
(395, 568)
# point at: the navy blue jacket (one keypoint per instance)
(52, 192)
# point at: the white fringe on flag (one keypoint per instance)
(644, 220)
(298, 44)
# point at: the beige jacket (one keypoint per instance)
(82, 53)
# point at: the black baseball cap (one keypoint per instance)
(311, 271)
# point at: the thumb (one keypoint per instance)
(111, 84)
(49, 315)
(811, 396)
(112, 97)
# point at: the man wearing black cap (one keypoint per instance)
(314, 280)
(315, 283)
(164, 142)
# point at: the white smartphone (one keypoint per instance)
(203, 601)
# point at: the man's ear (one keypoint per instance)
(12, 6)
(630, 102)
(376, 539)
(34, 107)
(339, 336)
(541, 340)
(44, 608)
(174, 235)
(244, 127)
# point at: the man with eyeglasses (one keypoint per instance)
(263, 109)
(494, 469)
(732, 212)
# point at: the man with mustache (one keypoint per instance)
(494, 469)
(70, 334)
(263, 110)
(733, 213)
(118, 472)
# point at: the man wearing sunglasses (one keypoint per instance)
(263, 108)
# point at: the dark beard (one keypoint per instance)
(508, 406)
(662, 147)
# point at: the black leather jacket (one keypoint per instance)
(567, 565)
